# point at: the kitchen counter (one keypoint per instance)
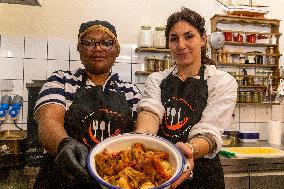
(238, 160)
(254, 172)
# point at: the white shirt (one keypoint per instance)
(222, 94)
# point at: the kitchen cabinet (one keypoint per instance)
(250, 53)
(253, 173)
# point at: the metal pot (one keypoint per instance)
(13, 141)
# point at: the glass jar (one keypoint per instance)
(167, 61)
(159, 38)
(248, 97)
(242, 96)
(145, 37)
(159, 65)
(250, 81)
(150, 63)
(255, 97)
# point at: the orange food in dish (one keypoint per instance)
(136, 168)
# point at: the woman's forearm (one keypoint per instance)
(147, 122)
(201, 145)
(50, 119)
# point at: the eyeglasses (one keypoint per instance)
(91, 44)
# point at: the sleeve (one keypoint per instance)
(52, 92)
(217, 115)
(151, 95)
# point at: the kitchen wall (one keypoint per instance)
(38, 40)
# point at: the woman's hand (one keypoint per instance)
(187, 151)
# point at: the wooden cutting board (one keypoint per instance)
(255, 151)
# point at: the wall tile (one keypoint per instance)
(249, 127)
(262, 113)
(36, 48)
(34, 69)
(74, 65)
(138, 78)
(11, 68)
(12, 47)
(58, 48)
(54, 65)
(277, 112)
(25, 112)
(263, 130)
(125, 53)
(247, 113)
(123, 70)
(74, 54)
(18, 88)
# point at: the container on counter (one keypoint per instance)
(159, 38)
(145, 38)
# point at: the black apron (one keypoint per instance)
(94, 115)
(184, 102)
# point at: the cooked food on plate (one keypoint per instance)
(136, 168)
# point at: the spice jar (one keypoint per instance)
(255, 97)
(242, 96)
(145, 37)
(159, 65)
(248, 97)
(167, 61)
(159, 38)
(150, 63)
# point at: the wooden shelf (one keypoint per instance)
(247, 65)
(263, 103)
(233, 43)
(229, 19)
(152, 50)
(255, 86)
(250, 53)
(143, 72)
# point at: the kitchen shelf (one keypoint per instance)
(229, 19)
(234, 43)
(152, 50)
(250, 53)
(263, 103)
(143, 72)
(255, 86)
(247, 65)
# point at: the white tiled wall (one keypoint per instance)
(24, 59)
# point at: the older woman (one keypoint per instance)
(76, 110)
(191, 103)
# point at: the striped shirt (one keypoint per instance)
(61, 87)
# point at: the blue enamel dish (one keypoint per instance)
(125, 141)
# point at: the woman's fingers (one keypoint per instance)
(185, 175)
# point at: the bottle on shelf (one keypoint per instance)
(145, 38)
(159, 38)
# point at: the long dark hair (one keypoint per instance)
(194, 19)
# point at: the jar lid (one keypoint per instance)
(145, 27)
(160, 28)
